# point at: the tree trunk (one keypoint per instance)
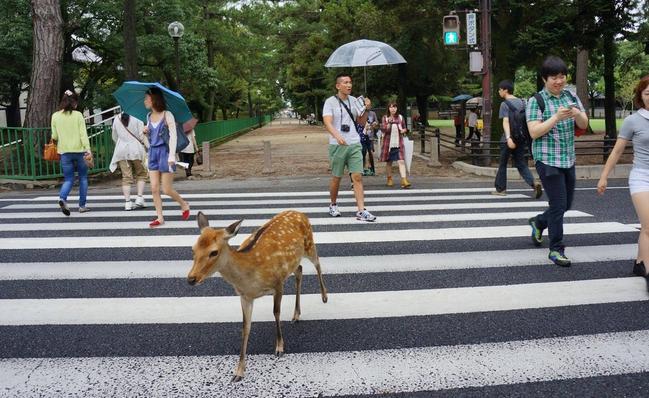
(45, 82)
(422, 107)
(224, 112)
(13, 109)
(582, 78)
(249, 102)
(130, 41)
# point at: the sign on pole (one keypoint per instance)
(471, 29)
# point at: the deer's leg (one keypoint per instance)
(312, 255)
(246, 308)
(298, 286)
(277, 305)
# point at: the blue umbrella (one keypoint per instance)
(130, 96)
(462, 97)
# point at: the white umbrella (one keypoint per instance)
(364, 53)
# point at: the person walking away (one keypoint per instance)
(162, 157)
(472, 121)
(69, 132)
(551, 118)
(371, 126)
(393, 126)
(340, 114)
(457, 122)
(129, 155)
(513, 106)
(188, 153)
(635, 128)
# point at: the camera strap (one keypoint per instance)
(349, 112)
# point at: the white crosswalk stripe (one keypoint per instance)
(97, 304)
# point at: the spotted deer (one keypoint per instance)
(258, 267)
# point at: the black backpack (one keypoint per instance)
(518, 125)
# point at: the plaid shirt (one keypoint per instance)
(557, 147)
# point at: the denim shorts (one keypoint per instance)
(638, 180)
(159, 159)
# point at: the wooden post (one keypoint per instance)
(206, 157)
(268, 169)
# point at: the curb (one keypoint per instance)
(583, 172)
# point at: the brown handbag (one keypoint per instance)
(50, 153)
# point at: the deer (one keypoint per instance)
(259, 266)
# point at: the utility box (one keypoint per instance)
(475, 62)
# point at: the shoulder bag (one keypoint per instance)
(50, 152)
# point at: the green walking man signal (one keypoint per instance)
(451, 30)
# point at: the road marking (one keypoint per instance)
(386, 304)
(335, 373)
(404, 219)
(330, 265)
(337, 237)
(346, 210)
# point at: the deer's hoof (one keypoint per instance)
(279, 354)
(236, 379)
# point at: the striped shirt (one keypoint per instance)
(557, 147)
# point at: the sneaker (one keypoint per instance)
(84, 209)
(128, 206)
(559, 258)
(639, 268)
(537, 233)
(499, 193)
(372, 172)
(366, 172)
(139, 203)
(64, 207)
(365, 216)
(333, 210)
(538, 190)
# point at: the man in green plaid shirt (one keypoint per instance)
(552, 127)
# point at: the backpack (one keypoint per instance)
(181, 138)
(518, 125)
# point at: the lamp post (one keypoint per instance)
(259, 107)
(176, 31)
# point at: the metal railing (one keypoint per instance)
(479, 151)
(221, 130)
(21, 152)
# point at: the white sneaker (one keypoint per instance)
(365, 216)
(333, 210)
(128, 206)
(139, 202)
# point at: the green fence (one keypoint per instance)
(21, 149)
(21, 152)
(223, 129)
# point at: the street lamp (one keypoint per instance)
(176, 31)
(259, 107)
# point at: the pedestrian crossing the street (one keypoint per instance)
(444, 294)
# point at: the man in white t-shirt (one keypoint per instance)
(340, 114)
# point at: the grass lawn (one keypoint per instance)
(596, 124)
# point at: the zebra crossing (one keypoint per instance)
(443, 294)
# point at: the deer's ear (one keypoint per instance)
(233, 229)
(203, 222)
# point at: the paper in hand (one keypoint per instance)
(183, 165)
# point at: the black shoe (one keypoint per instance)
(64, 207)
(639, 269)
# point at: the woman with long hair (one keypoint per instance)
(635, 128)
(69, 132)
(129, 155)
(393, 127)
(162, 156)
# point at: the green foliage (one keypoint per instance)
(15, 47)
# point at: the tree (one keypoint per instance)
(46, 68)
(130, 40)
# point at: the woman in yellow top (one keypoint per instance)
(69, 131)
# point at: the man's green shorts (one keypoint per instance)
(346, 155)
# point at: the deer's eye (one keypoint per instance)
(214, 253)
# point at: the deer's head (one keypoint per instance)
(208, 249)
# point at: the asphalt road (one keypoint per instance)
(443, 296)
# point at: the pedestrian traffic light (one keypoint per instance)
(451, 29)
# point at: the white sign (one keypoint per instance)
(475, 61)
(471, 29)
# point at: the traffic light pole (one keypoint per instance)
(485, 28)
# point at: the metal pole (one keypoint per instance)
(176, 39)
(485, 8)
